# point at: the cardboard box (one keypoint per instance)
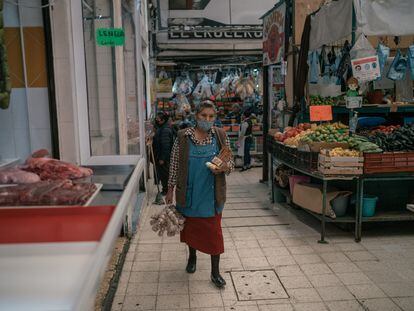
(309, 196)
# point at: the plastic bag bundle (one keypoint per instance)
(398, 67)
(383, 53)
(203, 88)
(183, 85)
(168, 220)
(411, 60)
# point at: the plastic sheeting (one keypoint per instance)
(331, 23)
(385, 17)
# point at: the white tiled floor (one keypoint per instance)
(376, 274)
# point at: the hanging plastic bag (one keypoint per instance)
(410, 56)
(314, 67)
(362, 48)
(398, 67)
(383, 53)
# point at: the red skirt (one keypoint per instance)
(204, 234)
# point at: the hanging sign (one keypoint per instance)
(274, 35)
(110, 36)
(353, 102)
(366, 68)
(320, 113)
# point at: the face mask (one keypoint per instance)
(205, 125)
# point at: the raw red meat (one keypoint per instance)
(17, 176)
(56, 192)
(52, 169)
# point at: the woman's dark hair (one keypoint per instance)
(163, 116)
(247, 113)
(206, 104)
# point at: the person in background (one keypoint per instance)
(245, 140)
(235, 113)
(200, 191)
(162, 145)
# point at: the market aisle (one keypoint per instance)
(261, 240)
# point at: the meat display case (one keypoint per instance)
(53, 258)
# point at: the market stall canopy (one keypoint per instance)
(333, 21)
(380, 18)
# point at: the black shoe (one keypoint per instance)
(191, 265)
(244, 169)
(218, 281)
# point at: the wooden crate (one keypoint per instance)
(388, 162)
(340, 165)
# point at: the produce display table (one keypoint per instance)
(404, 215)
(325, 180)
(361, 181)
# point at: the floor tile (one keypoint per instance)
(290, 282)
(354, 278)
(400, 289)
(202, 287)
(307, 259)
(146, 266)
(293, 270)
(334, 257)
(173, 288)
(348, 305)
(333, 293)
(144, 277)
(315, 268)
(323, 280)
(142, 289)
(304, 295)
(173, 302)
(300, 250)
(380, 304)
(406, 304)
(360, 256)
(343, 267)
(281, 260)
(278, 307)
(205, 300)
(138, 303)
(366, 291)
(309, 306)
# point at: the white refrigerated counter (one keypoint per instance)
(64, 275)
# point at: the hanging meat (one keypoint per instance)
(51, 169)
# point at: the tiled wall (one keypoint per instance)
(25, 126)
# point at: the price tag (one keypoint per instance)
(353, 102)
(320, 113)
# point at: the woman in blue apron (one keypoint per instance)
(200, 192)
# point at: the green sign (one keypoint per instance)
(110, 36)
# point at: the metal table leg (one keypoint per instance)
(359, 209)
(324, 190)
(272, 179)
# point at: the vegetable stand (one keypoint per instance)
(325, 180)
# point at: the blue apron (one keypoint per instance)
(200, 196)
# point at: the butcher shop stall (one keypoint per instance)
(72, 146)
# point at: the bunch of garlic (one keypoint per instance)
(168, 220)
